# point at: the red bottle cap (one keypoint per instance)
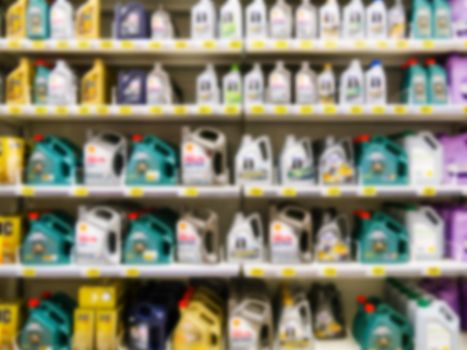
(34, 215)
(137, 138)
(42, 63)
(133, 215)
(33, 303)
(38, 137)
(370, 308)
(430, 61)
(362, 138)
(361, 299)
(362, 214)
(411, 62)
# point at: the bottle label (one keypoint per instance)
(326, 91)
(279, 23)
(354, 90)
(292, 334)
(305, 89)
(233, 94)
(130, 25)
(443, 23)
(36, 18)
(423, 22)
(252, 168)
(197, 164)
(305, 24)
(437, 336)
(254, 91)
(330, 247)
(279, 88)
(355, 23)
(228, 28)
(244, 246)
(439, 89)
(423, 166)
(132, 91)
(284, 242)
(419, 89)
(242, 335)
(188, 243)
(329, 25)
(155, 90)
(89, 241)
(256, 23)
(58, 89)
(376, 24)
(298, 166)
(425, 240)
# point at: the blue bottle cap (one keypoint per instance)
(375, 62)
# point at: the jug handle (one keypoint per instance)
(306, 143)
(305, 254)
(347, 144)
(435, 214)
(253, 219)
(304, 306)
(211, 255)
(265, 147)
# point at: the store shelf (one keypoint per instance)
(276, 191)
(363, 46)
(355, 270)
(355, 113)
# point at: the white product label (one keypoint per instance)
(155, 91)
(424, 240)
(196, 164)
(329, 25)
(439, 88)
(437, 337)
(297, 165)
(98, 163)
(58, 89)
(419, 89)
(284, 243)
(279, 88)
(130, 26)
(254, 91)
(139, 336)
(305, 25)
(353, 90)
(306, 91)
(243, 246)
(355, 24)
(89, 241)
(443, 22)
(292, 334)
(201, 23)
(242, 335)
(375, 90)
(255, 23)
(188, 243)
(422, 165)
(423, 22)
(376, 25)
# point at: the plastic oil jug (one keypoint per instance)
(16, 20)
(12, 151)
(158, 86)
(332, 239)
(458, 18)
(306, 89)
(105, 159)
(48, 241)
(61, 20)
(10, 318)
(232, 86)
(376, 20)
(380, 239)
(41, 83)
(455, 162)
(254, 161)
(306, 21)
(203, 20)
(329, 20)
(415, 91)
(204, 157)
(151, 239)
(336, 162)
(162, 27)
(19, 82)
(352, 85)
(353, 20)
(10, 239)
(437, 83)
(207, 87)
(290, 234)
(131, 21)
(296, 162)
(37, 19)
(441, 17)
(230, 21)
(99, 233)
(280, 20)
(456, 235)
(397, 26)
(152, 162)
(88, 20)
(131, 87)
(245, 240)
(198, 237)
(63, 88)
(421, 20)
(53, 161)
(253, 86)
(94, 85)
(256, 20)
(327, 85)
(280, 85)
(381, 161)
(375, 84)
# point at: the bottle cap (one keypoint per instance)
(361, 299)
(362, 138)
(38, 137)
(430, 61)
(235, 68)
(33, 303)
(362, 214)
(42, 63)
(137, 138)
(370, 308)
(411, 62)
(375, 63)
(133, 215)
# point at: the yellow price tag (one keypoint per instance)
(288, 272)
(256, 272)
(257, 109)
(378, 271)
(288, 192)
(125, 110)
(92, 272)
(136, 192)
(209, 44)
(465, 43)
(429, 191)
(232, 109)
(13, 44)
(14, 110)
(465, 109)
(399, 109)
(179, 110)
(378, 109)
(402, 44)
(83, 44)
(181, 44)
(382, 44)
(281, 44)
(258, 44)
(305, 44)
(306, 109)
(28, 272)
(107, 44)
(235, 44)
(157, 110)
(83, 110)
(62, 44)
(433, 271)
(280, 109)
(333, 192)
(329, 271)
(330, 44)
(190, 192)
(330, 109)
(61, 110)
(41, 110)
(81, 192)
(132, 272)
(155, 45)
(102, 110)
(428, 44)
(38, 44)
(360, 44)
(27, 191)
(204, 109)
(369, 191)
(426, 109)
(356, 109)
(255, 192)
(127, 45)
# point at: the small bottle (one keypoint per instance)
(376, 20)
(253, 86)
(279, 85)
(306, 21)
(327, 85)
(280, 20)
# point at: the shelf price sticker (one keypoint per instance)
(235, 44)
(13, 44)
(257, 109)
(426, 109)
(255, 191)
(41, 110)
(382, 44)
(80, 192)
(92, 272)
(155, 110)
(256, 271)
(232, 109)
(127, 45)
(369, 191)
(102, 110)
(27, 191)
(280, 109)
(258, 44)
(288, 192)
(305, 44)
(62, 44)
(465, 109)
(359, 44)
(83, 44)
(356, 109)
(330, 44)
(378, 271)
(209, 44)
(204, 109)
(155, 45)
(125, 110)
(288, 272)
(378, 109)
(132, 272)
(107, 44)
(432, 271)
(306, 109)
(83, 110)
(330, 109)
(29, 272)
(332, 192)
(428, 44)
(281, 44)
(38, 44)
(428, 191)
(400, 109)
(328, 271)
(61, 110)
(136, 192)
(189, 192)
(181, 44)
(402, 44)
(15, 110)
(179, 110)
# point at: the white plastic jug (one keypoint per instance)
(232, 86)
(203, 20)
(62, 88)
(279, 85)
(329, 20)
(158, 86)
(231, 21)
(161, 25)
(253, 86)
(296, 162)
(280, 20)
(256, 20)
(254, 161)
(306, 21)
(375, 84)
(245, 240)
(376, 20)
(306, 85)
(327, 85)
(336, 162)
(352, 85)
(61, 20)
(353, 26)
(397, 21)
(207, 87)
(332, 241)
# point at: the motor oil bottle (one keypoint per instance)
(19, 82)
(381, 161)
(105, 159)
(48, 241)
(162, 27)
(203, 20)
(10, 240)
(441, 16)
(204, 157)
(306, 89)
(352, 85)
(375, 84)
(253, 86)
(198, 237)
(152, 162)
(61, 20)
(415, 89)
(207, 87)
(151, 239)
(280, 85)
(232, 86)
(53, 161)
(38, 19)
(296, 162)
(131, 21)
(437, 83)
(332, 239)
(329, 20)
(336, 162)
(290, 235)
(455, 163)
(425, 154)
(99, 233)
(245, 240)
(254, 161)
(88, 20)
(94, 85)
(15, 19)
(306, 21)
(421, 20)
(380, 239)
(327, 85)
(131, 87)
(12, 151)
(456, 236)
(62, 89)
(41, 83)
(230, 21)
(10, 320)
(397, 26)
(353, 20)
(109, 328)
(280, 20)
(376, 20)
(256, 20)
(158, 86)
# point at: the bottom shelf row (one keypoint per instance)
(429, 314)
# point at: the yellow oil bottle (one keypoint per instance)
(19, 82)
(11, 159)
(10, 238)
(16, 20)
(9, 324)
(88, 20)
(93, 85)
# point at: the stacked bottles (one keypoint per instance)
(10, 320)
